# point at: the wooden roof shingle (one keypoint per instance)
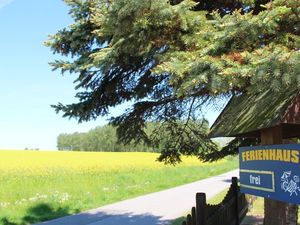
(246, 114)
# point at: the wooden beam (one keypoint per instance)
(275, 211)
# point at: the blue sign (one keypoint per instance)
(271, 171)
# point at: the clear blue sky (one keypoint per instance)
(28, 86)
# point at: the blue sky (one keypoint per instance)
(28, 86)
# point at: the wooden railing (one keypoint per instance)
(230, 211)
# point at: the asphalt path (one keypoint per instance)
(158, 208)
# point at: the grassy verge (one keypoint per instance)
(215, 200)
(38, 186)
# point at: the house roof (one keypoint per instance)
(246, 114)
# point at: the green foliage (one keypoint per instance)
(171, 58)
(188, 138)
(100, 139)
(232, 148)
(168, 139)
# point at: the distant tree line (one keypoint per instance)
(99, 139)
(105, 139)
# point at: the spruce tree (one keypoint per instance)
(172, 58)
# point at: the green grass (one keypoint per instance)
(31, 194)
(257, 207)
(213, 201)
(218, 198)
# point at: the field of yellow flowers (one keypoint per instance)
(38, 186)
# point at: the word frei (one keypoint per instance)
(271, 154)
(254, 179)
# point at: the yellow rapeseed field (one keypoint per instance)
(61, 183)
(41, 162)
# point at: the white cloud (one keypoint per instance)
(5, 2)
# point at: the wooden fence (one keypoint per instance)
(230, 211)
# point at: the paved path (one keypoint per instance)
(153, 209)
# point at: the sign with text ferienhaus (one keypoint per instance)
(271, 171)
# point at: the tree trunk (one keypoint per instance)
(292, 214)
(275, 212)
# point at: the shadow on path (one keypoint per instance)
(45, 212)
(38, 213)
(100, 218)
(227, 181)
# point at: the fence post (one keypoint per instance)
(234, 181)
(200, 208)
(189, 220)
(194, 216)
